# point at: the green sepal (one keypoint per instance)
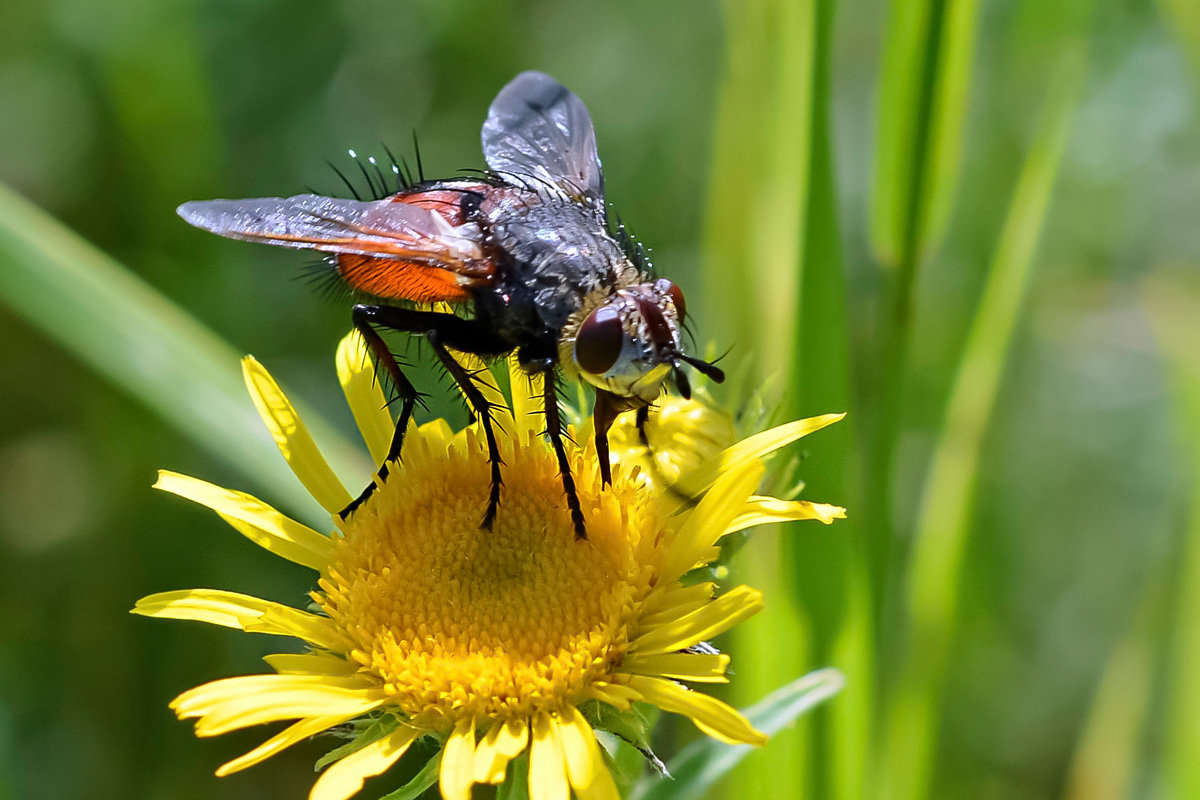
(362, 732)
(632, 726)
(420, 782)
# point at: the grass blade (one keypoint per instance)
(705, 761)
(923, 98)
(829, 567)
(925, 77)
(1184, 17)
(759, 179)
(754, 230)
(1106, 759)
(138, 339)
(944, 518)
(1173, 303)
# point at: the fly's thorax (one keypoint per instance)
(625, 341)
(560, 252)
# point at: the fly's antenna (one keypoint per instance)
(707, 368)
(681, 381)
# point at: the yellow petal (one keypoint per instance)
(615, 695)
(752, 448)
(765, 510)
(345, 777)
(502, 743)
(233, 703)
(293, 439)
(576, 741)
(240, 611)
(710, 715)
(254, 519)
(674, 601)
(700, 625)
(284, 739)
(458, 762)
(547, 772)
(310, 664)
(364, 394)
(705, 524)
(697, 667)
(586, 769)
(437, 430)
(526, 393)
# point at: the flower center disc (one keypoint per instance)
(456, 620)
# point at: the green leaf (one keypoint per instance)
(516, 780)
(420, 782)
(702, 763)
(135, 337)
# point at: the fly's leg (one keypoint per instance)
(603, 455)
(537, 360)
(482, 410)
(554, 429)
(441, 330)
(363, 317)
(643, 416)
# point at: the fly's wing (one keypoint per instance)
(385, 247)
(537, 131)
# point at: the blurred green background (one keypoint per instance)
(974, 224)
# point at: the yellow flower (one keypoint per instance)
(488, 641)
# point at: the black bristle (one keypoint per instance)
(402, 181)
(634, 250)
(383, 190)
(417, 155)
(366, 176)
(345, 180)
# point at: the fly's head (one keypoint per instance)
(625, 343)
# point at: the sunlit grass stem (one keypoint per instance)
(1172, 304)
(1108, 754)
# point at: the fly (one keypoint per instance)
(527, 247)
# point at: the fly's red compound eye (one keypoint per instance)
(600, 339)
(676, 295)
